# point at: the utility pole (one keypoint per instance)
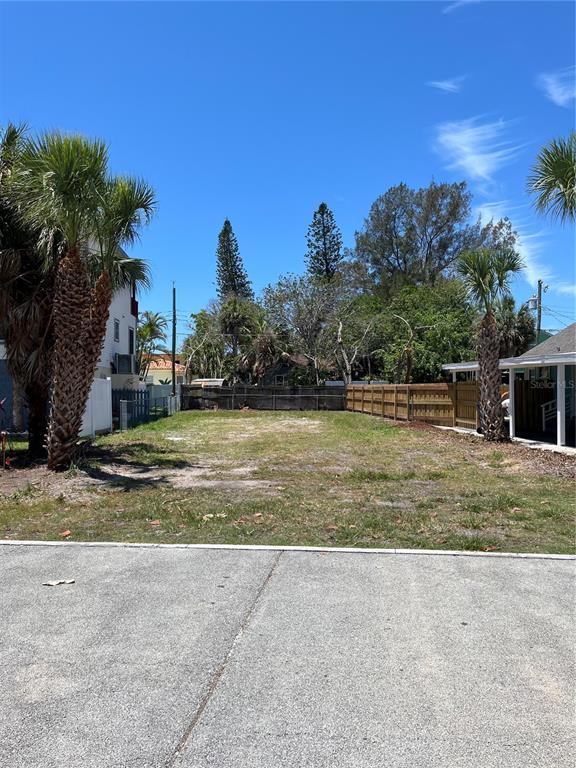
(539, 312)
(173, 339)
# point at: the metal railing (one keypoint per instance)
(144, 410)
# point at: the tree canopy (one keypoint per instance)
(414, 236)
(231, 277)
(324, 242)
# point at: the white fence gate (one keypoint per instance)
(98, 413)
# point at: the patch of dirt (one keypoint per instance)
(245, 430)
(516, 458)
(80, 484)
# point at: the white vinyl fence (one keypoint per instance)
(98, 413)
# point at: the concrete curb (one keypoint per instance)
(279, 548)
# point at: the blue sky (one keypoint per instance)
(260, 111)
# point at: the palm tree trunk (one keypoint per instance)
(490, 407)
(100, 299)
(17, 405)
(71, 318)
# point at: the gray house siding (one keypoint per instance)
(6, 395)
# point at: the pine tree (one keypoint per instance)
(324, 244)
(231, 277)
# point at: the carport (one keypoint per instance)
(541, 385)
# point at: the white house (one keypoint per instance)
(542, 389)
(117, 363)
(118, 358)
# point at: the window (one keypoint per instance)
(130, 341)
(116, 330)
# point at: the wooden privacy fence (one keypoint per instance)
(449, 405)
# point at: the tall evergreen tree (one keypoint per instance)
(324, 244)
(231, 277)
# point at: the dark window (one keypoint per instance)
(116, 330)
(130, 341)
(124, 364)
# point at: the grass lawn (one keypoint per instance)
(324, 479)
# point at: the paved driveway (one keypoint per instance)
(259, 659)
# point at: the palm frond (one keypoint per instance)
(124, 271)
(57, 184)
(553, 179)
(126, 206)
(486, 274)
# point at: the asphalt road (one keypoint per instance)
(241, 659)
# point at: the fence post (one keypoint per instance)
(455, 404)
(123, 415)
(362, 400)
(395, 402)
(407, 402)
(274, 400)
(382, 403)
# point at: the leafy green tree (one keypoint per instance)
(303, 309)
(205, 350)
(414, 236)
(324, 242)
(421, 329)
(231, 277)
(238, 320)
(486, 275)
(553, 179)
(353, 329)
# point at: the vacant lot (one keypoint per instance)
(339, 479)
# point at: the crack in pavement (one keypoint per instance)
(217, 676)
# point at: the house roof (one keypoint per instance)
(207, 382)
(164, 363)
(562, 342)
(558, 349)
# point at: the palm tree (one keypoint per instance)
(26, 297)
(486, 275)
(64, 193)
(126, 205)
(553, 179)
(237, 318)
(59, 185)
(516, 328)
(263, 350)
(151, 334)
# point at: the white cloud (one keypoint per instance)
(566, 288)
(479, 149)
(530, 244)
(458, 4)
(560, 86)
(451, 85)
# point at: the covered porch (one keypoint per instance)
(540, 390)
(541, 398)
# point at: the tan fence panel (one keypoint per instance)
(466, 404)
(442, 404)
